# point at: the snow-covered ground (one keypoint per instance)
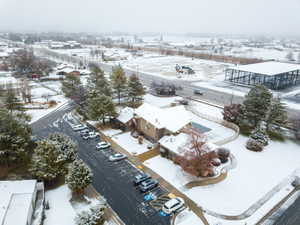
(130, 144)
(111, 132)
(160, 102)
(40, 92)
(187, 217)
(61, 211)
(165, 66)
(207, 109)
(36, 114)
(255, 175)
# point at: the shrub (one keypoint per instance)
(223, 154)
(260, 135)
(52, 103)
(254, 145)
(232, 112)
(94, 216)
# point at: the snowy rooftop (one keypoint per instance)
(268, 68)
(173, 118)
(126, 114)
(15, 201)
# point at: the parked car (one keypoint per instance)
(102, 145)
(79, 128)
(173, 205)
(83, 132)
(93, 135)
(85, 136)
(148, 185)
(117, 157)
(77, 125)
(141, 178)
(198, 92)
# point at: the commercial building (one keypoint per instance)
(274, 75)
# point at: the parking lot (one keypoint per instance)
(113, 180)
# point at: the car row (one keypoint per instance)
(145, 183)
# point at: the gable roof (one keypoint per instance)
(126, 114)
(173, 118)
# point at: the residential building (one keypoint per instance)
(21, 202)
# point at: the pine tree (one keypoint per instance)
(11, 101)
(94, 216)
(277, 114)
(97, 83)
(119, 81)
(101, 107)
(256, 104)
(66, 145)
(70, 84)
(79, 176)
(47, 162)
(136, 90)
(15, 138)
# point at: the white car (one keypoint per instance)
(102, 145)
(173, 205)
(79, 128)
(93, 134)
(117, 157)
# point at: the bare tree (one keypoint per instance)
(197, 158)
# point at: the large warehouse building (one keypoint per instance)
(274, 75)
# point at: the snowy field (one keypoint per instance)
(37, 114)
(165, 66)
(255, 175)
(130, 144)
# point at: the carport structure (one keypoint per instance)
(274, 75)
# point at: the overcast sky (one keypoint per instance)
(269, 17)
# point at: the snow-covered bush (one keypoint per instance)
(232, 112)
(254, 145)
(79, 176)
(260, 135)
(94, 216)
(223, 154)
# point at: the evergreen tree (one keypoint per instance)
(94, 216)
(11, 101)
(70, 84)
(136, 90)
(101, 107)
(97, 83)
(66, 146)
(256, 104)
(79, 176)
(277, 114)
(119, 81)
(15, 138)
(48, 162)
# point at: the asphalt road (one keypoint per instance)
(291, 216)
(113, 180)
